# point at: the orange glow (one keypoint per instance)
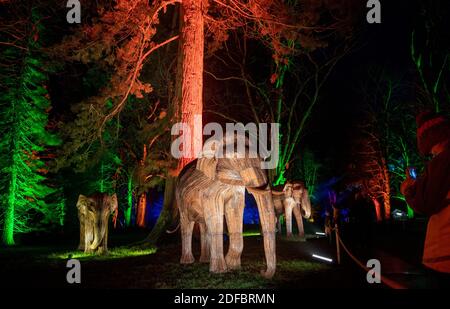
(377, 209)
(191, 94)
(141, 210)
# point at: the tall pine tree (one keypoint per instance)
(24, 106)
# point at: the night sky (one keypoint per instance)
(334, 122)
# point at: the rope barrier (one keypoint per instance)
(270, 233)
(390, 283)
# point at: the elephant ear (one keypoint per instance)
(207, 161)
(82, 201)
(306, 203)
(288, 189)
(114, 208)
(208, 167)
(114, 204)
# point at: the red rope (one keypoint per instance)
(390, 283)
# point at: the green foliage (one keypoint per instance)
(307, 169)
(99, 173)
(97, 161)
(390, 125)
(403, 152)
(24, 104)
(104, 173)
(431, 55)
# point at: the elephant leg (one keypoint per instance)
(278, 212)
(299, 219)
(205, 244)
(279, 224)
(88, 236)
(235, 215)
(103, 248)
(187, 228)
(214, 224)
(267, 220)
(81, 246)
(288, 219)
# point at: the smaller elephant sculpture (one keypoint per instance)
(293, 199)
(94, 212)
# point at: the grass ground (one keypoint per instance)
(45, 266)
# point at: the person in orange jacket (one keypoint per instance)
(429, 193)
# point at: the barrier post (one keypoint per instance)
(338, 251)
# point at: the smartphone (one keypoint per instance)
(412, 172)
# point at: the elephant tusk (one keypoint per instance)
(258, 190)
(279, 193)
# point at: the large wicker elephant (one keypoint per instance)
(293, 199)
(211, 187)
(94, 212)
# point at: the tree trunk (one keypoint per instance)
(166, 216)
(8, 220)
(191, 52)
(387, 191)
(410, 212)
(127, 212)
(377, 206)
(188, 100)
(142, 205)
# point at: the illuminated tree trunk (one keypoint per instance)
(191, 90)
(166, 216)
(142, 205)
(127, 214)
(387, 191)
(8, 225)
(188, 99)
(142, 201)
(277, 176)
(377, 206)
(410, 212)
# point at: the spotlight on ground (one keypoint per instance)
(322, 258)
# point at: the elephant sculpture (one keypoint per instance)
(209, 188)
(94, 212)
(294, 199)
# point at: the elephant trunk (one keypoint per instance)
(306, 205)
(98, 230)
(266, 210)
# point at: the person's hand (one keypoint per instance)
(407, 183)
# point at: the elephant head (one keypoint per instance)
(242, 167)
(86, 214)
(94, 212)
(111, 202)
(232, 161)
(298, 191)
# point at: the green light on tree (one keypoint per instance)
(129, 202)
(24, 103)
